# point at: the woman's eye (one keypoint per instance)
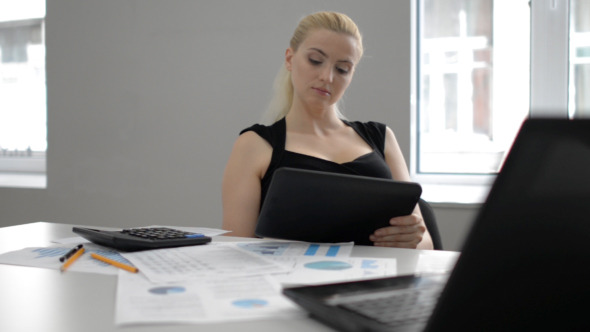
(315, 62)
(342, 70)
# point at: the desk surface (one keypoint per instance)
(36, 299)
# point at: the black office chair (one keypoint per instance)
(430, 221)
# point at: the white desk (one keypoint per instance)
(35, 299)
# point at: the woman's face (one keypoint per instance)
(322, 67)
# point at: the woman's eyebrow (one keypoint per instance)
(319, 51)
(326, 55)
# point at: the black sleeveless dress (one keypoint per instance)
(372, 164)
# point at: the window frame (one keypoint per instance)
(546, 97)
(24, 168)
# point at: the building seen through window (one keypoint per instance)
(579, 78)
(473, 80)
(23, 102)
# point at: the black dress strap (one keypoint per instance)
(274, 134)
(372, 132)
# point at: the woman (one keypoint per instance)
(308, 131)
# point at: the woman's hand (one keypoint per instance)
(404, 232)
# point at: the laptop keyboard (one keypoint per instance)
(396, 308)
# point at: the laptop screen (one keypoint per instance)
(524, 261)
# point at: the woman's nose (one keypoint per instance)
(327, 74)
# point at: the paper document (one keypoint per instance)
(218, 282)
(432, 261)
(318, 270)
(197, 262)
(199, 301)
(288, 252)
(48, 257)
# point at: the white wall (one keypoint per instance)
(145, 99)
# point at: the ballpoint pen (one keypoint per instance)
(115, 263)
(72, 259)
(70, 253)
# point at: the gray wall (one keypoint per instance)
(146, 97)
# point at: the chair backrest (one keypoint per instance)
(430, 221)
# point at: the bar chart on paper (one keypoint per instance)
(294, 249)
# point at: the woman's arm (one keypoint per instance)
(241, 187)
(405, 231)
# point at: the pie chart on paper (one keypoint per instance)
(250, 303)
(328, 265)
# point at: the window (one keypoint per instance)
(579, 54)
(23, 120)
(475, 72)
(473, 81)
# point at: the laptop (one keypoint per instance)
(523, 266)
(315, 206)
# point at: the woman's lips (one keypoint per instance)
(322, 91)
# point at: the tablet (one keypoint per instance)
(314, 206)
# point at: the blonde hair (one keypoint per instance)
(283, 88)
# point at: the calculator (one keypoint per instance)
(144, 238)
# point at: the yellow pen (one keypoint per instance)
(115, 263)
(72, 259)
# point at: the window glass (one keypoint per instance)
(23, 105)
(473, 83)
(579, 76)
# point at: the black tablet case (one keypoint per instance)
(325, 207)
